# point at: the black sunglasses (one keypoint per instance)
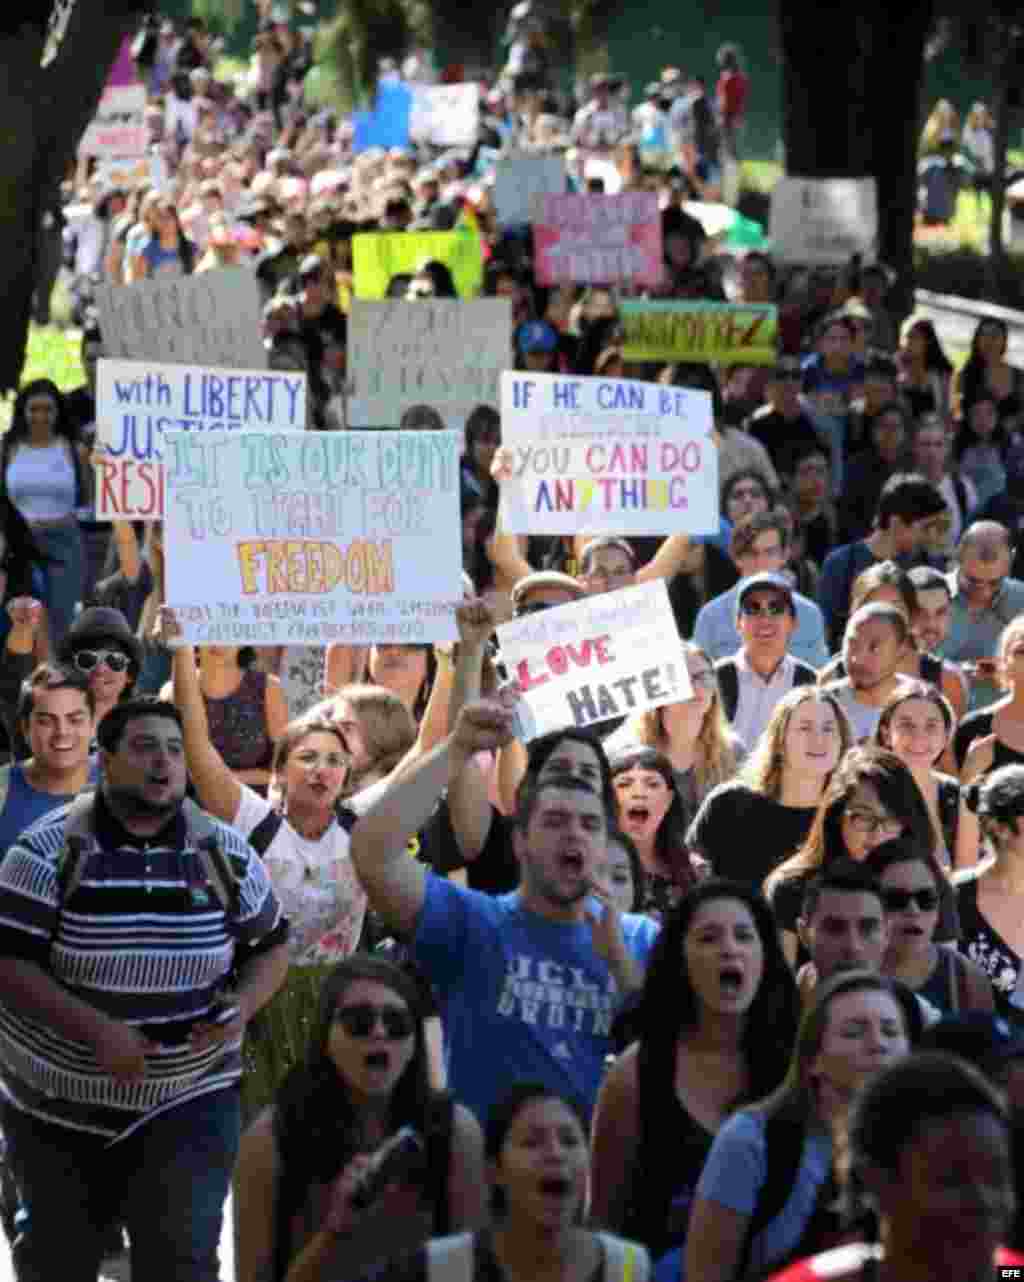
(87, 660)
(898, 901)
(361, 1019)
(768, 609)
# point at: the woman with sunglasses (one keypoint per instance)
(870, 798)
(777, 793)
(911, 886)
(363, 1077)
(991, 919)
(716, 1024)
(303, 838)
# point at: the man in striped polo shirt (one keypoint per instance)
(123, 917)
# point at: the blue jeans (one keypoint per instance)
(65, 573)
(166, 1182)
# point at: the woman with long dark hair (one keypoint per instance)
(651, 812)
(44, 476)
(717, 1020)
(987, 372)
(364, 1077)
(870, 798)
(925, 369)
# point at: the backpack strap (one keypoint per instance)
(450, 1259)
(79, 845)
(728, 687)
(804, 675)
(265, 831)
(203, 834)
(784, 1147)
(624, 1261)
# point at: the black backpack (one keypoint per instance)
(729, 683)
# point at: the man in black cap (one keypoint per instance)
(755, 678)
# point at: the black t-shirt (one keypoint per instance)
(976, 725)
(745, 835)
(785, 439)
(494, 871)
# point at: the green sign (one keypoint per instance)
(716, 333)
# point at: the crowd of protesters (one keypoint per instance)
(730, 988)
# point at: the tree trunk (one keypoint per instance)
(851, 84)
(1001, 143)
(43, 114)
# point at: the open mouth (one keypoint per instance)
(572, 863)
(556, 1186)
(377, 1060)
(730, 979)
(637, 814)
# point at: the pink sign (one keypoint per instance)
(124, 71)
(596, 239)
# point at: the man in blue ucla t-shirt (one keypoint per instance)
(529, 982)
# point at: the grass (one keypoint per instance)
(53, 352)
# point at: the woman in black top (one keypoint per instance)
(718, 1019)
(364, 1076)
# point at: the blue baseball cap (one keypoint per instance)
(536, 336)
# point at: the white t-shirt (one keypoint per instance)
(315, 882)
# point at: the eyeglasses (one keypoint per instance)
(768, 610)
(898, 901)
(972, 584)
(863, 821)
(89, 660)
(534, 607)
(360, 1020)
(706, 678)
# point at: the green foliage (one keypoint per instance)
(365, 31)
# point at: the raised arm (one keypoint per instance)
(128, 552)
(469, 806)
(219, 791)
(396, 885)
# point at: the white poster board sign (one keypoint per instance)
(210, 319)
(824, 221)
(607, 456)
(442, 352)
(119, 126)
(138, 403)
(445, 115)
(522, 175)
(603, 657)
(305, 538)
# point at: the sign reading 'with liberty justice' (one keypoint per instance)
(137, 404)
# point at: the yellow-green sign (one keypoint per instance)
(377, 256)
(717, 333)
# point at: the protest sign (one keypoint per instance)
(305, 538)
(605, 656)
(119, 126)
(377, 256)
(719, 333)
(608, 455)
(436, 351)
(522, 175)
(445, 115)
(387, 125)
(824, 221)
(210, 319)
(138, 403)
(593, 239)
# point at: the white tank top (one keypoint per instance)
(41, 482)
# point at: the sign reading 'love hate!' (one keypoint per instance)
(603, 657)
